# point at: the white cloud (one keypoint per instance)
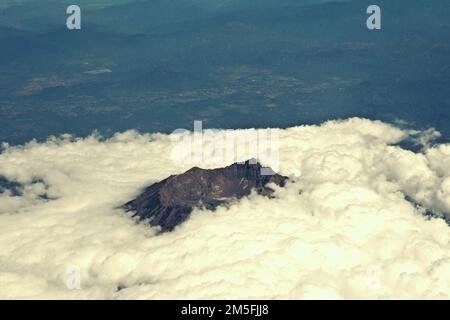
(341, 229)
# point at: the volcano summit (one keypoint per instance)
(169, 202)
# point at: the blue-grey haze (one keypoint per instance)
(159, 65)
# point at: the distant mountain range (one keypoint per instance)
(231, 64)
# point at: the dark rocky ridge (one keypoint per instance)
(169, 202)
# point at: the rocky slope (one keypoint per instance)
(169, 203)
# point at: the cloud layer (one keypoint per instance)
(343, 228)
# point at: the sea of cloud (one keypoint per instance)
(349, 224)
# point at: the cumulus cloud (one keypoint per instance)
(348, 225)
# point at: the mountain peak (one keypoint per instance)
(169, 202)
